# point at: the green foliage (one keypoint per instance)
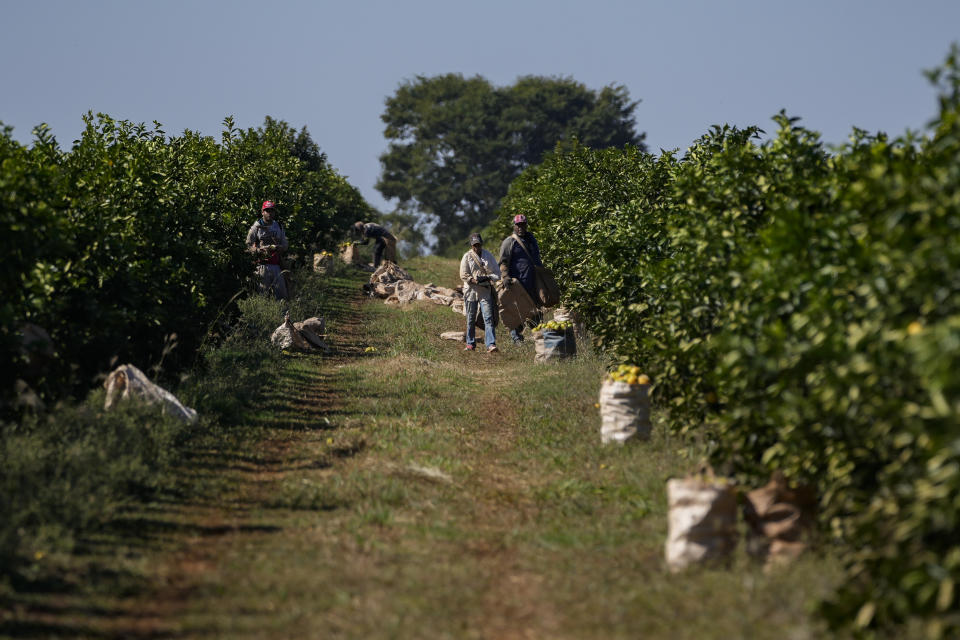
(456, 143)
(132, 236)
(797, 311)
(71, 470)
(66, 473)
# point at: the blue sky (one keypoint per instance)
(330, 65)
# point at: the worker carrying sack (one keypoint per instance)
(547, 290)
(625, 406)
(515, 304)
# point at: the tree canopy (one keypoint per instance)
(456, 143)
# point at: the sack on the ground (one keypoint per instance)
(349, 253)
(547, 289)
(389, 272)
(322, 262)
(302, 336)
(701, 522)
(554, 341)
(624, 411)
(515, 305)
(563, 314)
(127, 381)
(314, 330)
(459, 336)
(778, 520)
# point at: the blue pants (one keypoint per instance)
(535, 318)
(486, 308)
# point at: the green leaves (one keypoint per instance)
(131, 236)
(456, 143)
(798, 309)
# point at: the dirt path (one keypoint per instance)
(416, 491)
(307, 397)
(315, 438)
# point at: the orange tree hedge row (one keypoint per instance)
(798, 310)
(131, 236)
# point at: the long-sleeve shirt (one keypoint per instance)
(264, 235)
(375, 231)
(518, 264)
(472, 266)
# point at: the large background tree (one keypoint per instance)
(456, 143)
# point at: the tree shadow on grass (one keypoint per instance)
(36, 629)
(90, 594)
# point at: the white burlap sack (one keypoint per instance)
(306, 335)
(286, 336)
(624, 411)
(389, 272)
(562, 314)
(551, 345)
(405, 292)
(322, 262)
(383, 289)
(314, 330)
(701, 523)
(127, 381)
(349, 254)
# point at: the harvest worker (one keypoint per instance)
(266, 240)
(386, 244)
(519, 253)
(479, 271)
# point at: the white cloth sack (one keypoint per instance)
(563, 314)
(551, 345)
(701, 523)
(349, 254)
(127, 381)
(389, 272)
(305, 336)
(322, 262)
(624, 411)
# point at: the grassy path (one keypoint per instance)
(418, 491)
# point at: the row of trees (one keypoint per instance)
(456, 143)
(798, 310)
(132, 236)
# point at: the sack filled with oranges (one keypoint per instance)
(554, 340)
(625, 405)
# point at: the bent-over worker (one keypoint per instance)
(385, 247)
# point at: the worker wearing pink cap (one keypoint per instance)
(266, 240)
(519, 253)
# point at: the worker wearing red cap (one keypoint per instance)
(519, 253)
(266, 240)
